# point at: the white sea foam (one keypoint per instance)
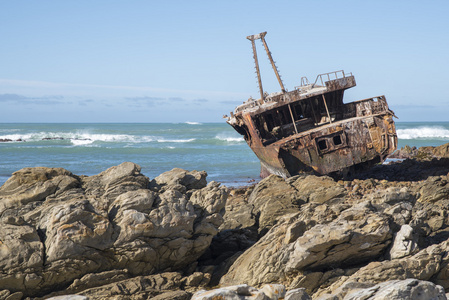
(14, 137)
(78, 142)
(77, 138)
(229, 139)
(193, 123)
(175, 140)
(424, 133)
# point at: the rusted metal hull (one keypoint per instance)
(363, 140)
(311, 129)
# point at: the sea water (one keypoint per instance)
(88, 149)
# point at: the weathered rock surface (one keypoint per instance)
(428, 152)
(118, 235)
(352, 234)
(58, 227)
(243, 292)
(399, 290)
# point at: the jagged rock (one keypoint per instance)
(58, 227)
(434, 189)
(399, 290)
(239, 213)
(242, 292)
(297, 244)
(356, 235)
(404, 244)
(319, 189)
(442, 151)
(175, 177)
(272, 198)
(97, 279)
(69, 297)
(297, 294)
(422, 266)
(33, 185)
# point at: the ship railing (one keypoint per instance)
(331, 76)
(321, 78)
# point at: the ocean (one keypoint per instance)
(88, 149)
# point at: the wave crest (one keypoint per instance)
(229, 139)
(424, 133)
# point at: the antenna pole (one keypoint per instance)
(252, 38)
(262, 37)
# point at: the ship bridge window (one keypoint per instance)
(270, 121)
(337, 140)
(322, 145)
(331, 142)
(298, 112)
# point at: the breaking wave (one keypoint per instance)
(423, 133)
(229, 139)
(175, 140)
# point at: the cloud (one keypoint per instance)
(77, 87)
(231, 102)
(145, 100)
(11, 97)
(85, 102)
(176, 99)
(44, 100)
(199, 101)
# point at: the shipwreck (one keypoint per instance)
(311, 129)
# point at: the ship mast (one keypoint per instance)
(261, 36)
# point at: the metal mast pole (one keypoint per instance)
(252, 38)
(262, 37)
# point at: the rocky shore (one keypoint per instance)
(120, 235)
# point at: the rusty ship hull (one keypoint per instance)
(312, 129)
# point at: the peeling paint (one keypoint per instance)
(311, 128)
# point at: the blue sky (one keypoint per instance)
(177, 61)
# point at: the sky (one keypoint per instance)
(189, 61)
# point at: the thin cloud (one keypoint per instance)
(145, 100)
(85, 102)
(176, 99)
(200, 100)
(233, 102)
(78, 86)
(12, 97)
(20, 99)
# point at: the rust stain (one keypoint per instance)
(311, 129)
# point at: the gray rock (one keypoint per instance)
(297, 294)
(57, 227)
(404, 244)
(272, 198)
(69, 297)
(400, 289)
(175, 177)
(242, 292)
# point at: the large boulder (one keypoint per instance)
(305, 241)
(272, 198)
(58, 227)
